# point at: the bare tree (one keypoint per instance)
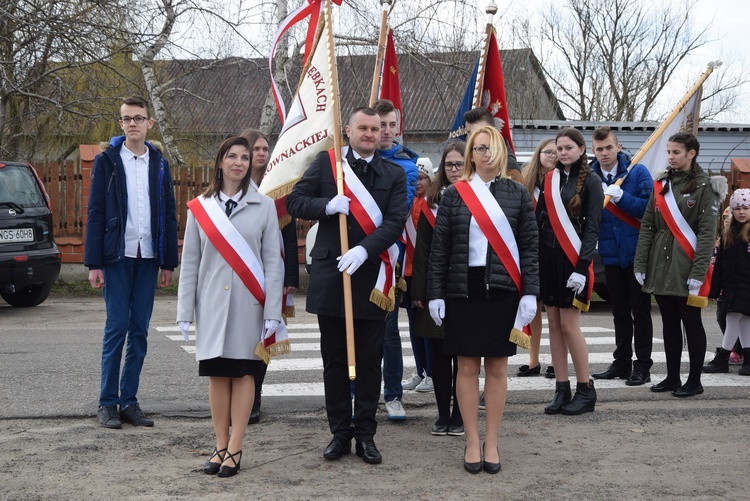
(610, 59)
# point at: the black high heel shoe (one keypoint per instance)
(472, 468)
(213, 468)
(491, 467)
(230, 471)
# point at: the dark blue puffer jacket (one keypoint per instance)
(617, 239)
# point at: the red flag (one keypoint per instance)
(389, 85)
(493, 89)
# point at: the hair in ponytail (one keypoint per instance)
(574, 206)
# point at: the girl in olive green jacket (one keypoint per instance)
(662, 265)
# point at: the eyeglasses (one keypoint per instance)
(138, 119)
(549, 153)
(481, 150)
(457, 166)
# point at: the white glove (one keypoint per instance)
(576, 282)
(527, 309)
(352, 260)
(269, 328)
(437, 311)
(614, 191)
(184, 328)
(339, 203)
(694, 286)
(640, 277)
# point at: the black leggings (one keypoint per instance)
(444, 372)
(675, 312)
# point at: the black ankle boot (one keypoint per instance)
(583, 401)
(562, 397)
(745, 369)
(720, 363)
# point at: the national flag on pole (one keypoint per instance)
(654, 156)
(487, 91)
(458, 129)
(308, 128)
(389, 83)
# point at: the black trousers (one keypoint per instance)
(675, 312)
(368, 343)
(631, 310)
(444, 372)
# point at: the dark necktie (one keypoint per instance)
(360, 166)
(609, 178)
(230, 205)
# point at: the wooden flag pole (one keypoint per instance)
(337, 145)
(381, 50)
(660, 130)
(491, 10)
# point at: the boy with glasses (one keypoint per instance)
(131, 232)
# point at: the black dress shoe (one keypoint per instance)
(456, 430)
(366, 450)
(550, 372)
(492, 468)
(638, 378)
(526, 371)
(666, 385)
(255, 413)
(230, 471)
(612, 372)
(337, 448)
(683, 392)
(213, 468)
(472, 468)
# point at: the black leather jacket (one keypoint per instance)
(448, 275)
(586, 223)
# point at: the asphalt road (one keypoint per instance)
(50, 360)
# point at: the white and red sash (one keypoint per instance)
(429, 212)
(564, 231)
(410, 236)
(535, 196)
(365, 210)
(494, 224)
(240, 256)
(683, 234)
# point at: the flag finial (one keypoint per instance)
(491, 9)
(714, 64)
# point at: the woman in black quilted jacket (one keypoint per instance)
(482, 275)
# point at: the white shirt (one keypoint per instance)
(606, 173)
(138, 225)
(477, 242)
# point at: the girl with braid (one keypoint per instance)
(673, 255)
(568, 214)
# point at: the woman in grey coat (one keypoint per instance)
(229, 317)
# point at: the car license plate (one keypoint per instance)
(17, 235)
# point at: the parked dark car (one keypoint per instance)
(29, 259)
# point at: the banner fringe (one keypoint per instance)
(697, 301)
(520, 338)
(281, 348)
(581, 305)
(383, 301)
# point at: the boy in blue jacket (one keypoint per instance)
(618, 237)
(131, 232)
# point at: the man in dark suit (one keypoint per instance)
(315, 197)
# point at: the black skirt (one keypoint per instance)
(230, 367)
(554, 271)
(480, 325)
